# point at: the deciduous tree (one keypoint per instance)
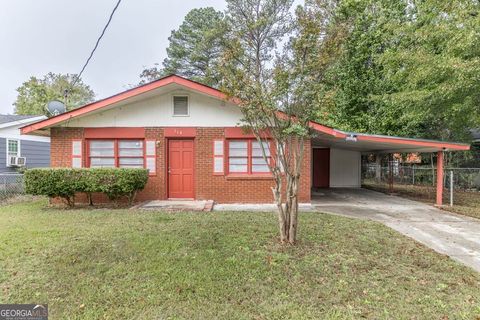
(34, 94)
(406, 68)
(268, 74)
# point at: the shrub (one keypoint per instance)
(61, 183)
(116, 183)
(88, 184)
(65, 182)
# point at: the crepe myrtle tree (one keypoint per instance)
(265, 67)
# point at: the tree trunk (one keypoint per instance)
(70, 200)
(277, 196)
(90, 200)
(288, 207)
(131, 197)
(292, 234)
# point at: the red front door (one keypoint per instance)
(321, 168)
(180, 169)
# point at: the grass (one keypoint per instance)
(464, 202)
(122, 264)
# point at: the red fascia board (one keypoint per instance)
(316, 126)
(419, 143)
(327, 130)
(114, 133)
(123, 96)
(220, 95)
(385, 139)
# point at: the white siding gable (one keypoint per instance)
(157, 111)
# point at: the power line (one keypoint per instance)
(96, 44)
(89, 58)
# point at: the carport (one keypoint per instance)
(336, 155)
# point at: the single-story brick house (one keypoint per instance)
(188, 136)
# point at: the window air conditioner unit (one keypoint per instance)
(21, 161)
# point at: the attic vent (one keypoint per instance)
(180, 106)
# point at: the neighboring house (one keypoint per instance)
(188, 136)
(18, 150)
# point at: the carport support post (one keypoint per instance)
(439, 178)
(390, 173)
(451, 188)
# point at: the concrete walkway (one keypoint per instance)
(177, 205)
(454, 235)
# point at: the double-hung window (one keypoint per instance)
(116, 153)
(13, 149)
(259, 165)
(130, 153)
(246, 157)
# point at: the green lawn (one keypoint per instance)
(122, 264)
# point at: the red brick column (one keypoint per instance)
(439, 178)
(156, 187)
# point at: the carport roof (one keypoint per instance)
(334, 138)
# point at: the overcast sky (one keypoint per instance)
(39, 36)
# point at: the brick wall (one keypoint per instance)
(222, 189)
(61, 146)
(156, 186)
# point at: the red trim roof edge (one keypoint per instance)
(389, 139)
(220, 95)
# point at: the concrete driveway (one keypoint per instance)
(454, 235)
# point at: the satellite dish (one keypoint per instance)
(55, 107)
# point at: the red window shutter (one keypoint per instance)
(151, 156)
(218, 157)
(77, 153)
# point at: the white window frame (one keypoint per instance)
(173, 105)
(250, 157)
(219, 155)
(116, 152)
(18, 150)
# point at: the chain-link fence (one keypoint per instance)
(11, 184)
(419, 183)
(463, 178)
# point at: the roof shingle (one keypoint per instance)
(5, 118)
